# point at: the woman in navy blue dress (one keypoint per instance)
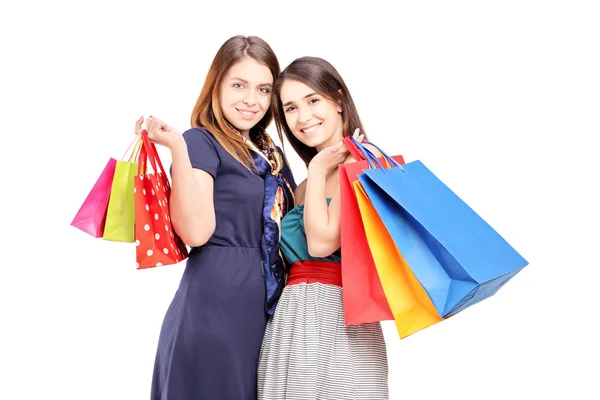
(230, 188)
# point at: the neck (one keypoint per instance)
(245, 134)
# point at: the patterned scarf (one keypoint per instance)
(278, 200)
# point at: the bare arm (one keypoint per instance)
(192, 204)
(323, 223)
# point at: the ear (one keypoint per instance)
(339, 107)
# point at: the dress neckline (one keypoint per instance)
(302, 205)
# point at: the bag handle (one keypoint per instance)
(133, 154)
(148, 152)
(370, 156)
(354, 151)
(358, 154)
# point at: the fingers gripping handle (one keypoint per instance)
(149, 152)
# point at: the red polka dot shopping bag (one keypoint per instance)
(156, 241)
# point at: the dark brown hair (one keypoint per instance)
(207, 112)
(324, 79)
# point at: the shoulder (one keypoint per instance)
(204, 151)
(200, 138)
(300, 192)
(373, 149)
(198, 134)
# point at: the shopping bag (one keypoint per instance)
(157, 243)
(91, 216)
(120, 216)
(363, 296)
(410, 305)
(458, 258)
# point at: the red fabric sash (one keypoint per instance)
(326, 272)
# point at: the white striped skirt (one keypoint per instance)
(308, 353)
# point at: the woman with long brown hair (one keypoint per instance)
(230, 187)
(308, 353)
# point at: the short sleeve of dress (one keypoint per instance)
(202, 150)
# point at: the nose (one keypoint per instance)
(304, 115)
(250, 98)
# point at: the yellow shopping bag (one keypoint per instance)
(120, 216)
(411, 307)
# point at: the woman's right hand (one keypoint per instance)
(330, 157)
(159, 132)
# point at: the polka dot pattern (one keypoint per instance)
(152, 219)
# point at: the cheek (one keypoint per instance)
(330, 114)
(225, 96)
(290, 119)
(265, 102)
(325, 112)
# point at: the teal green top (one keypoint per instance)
(293, 238)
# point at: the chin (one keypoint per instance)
(244, 125)
(311, 142)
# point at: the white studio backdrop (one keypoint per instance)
(499, 99)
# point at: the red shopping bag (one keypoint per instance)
(156, 241)
(363, 295)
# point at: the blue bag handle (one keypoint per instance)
(370, 156)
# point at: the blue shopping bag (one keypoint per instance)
(458, 258)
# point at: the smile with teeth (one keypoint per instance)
(247, 113)
(311, 128)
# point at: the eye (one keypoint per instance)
(290, 108)
(313, 101)
(238, 86)
(265, 90)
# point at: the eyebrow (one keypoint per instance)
(246, 82)
(305, 97)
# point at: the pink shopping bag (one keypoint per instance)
(92, 215)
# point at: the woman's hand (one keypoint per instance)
(330, 157)
(159, 132)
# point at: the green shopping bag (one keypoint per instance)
(120, 217)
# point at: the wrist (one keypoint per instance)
(315, 170)
(178, 145)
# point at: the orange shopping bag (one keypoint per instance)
(410, 305)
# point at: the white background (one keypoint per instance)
(500, 99)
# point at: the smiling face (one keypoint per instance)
(246, 94)
(312, 118)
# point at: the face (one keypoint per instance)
(246, 94)
(314, 120)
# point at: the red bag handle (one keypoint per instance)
(354, 151)
(148, 151)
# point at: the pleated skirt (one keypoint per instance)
(307, 352)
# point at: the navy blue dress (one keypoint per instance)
(212, 332)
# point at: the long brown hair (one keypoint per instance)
(324, 79)
(207, 111)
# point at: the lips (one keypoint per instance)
(311, 129)
(247, 114)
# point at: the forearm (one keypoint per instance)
(191, 203)
(322, 231)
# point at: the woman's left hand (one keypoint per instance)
(330, 157)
